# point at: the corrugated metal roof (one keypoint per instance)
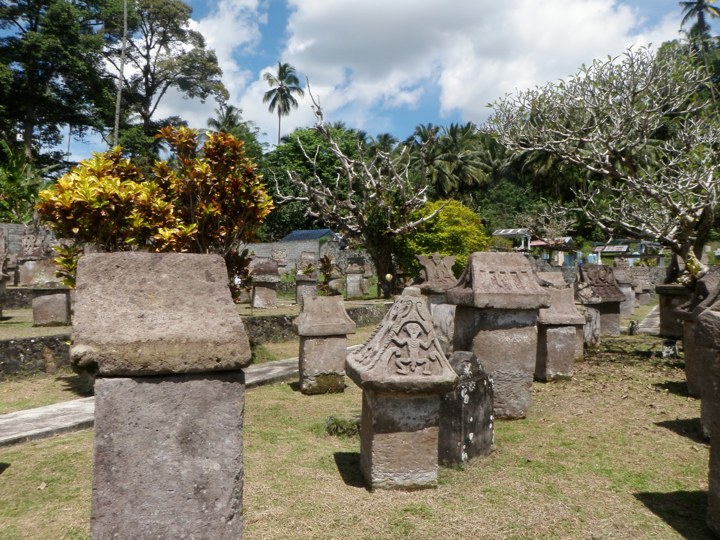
(511, 232)
(306, 234)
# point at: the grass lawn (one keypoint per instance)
(613, 453)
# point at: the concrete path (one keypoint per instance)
(22, 426)
(651, 323)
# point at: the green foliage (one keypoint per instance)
(53, 72)
(283, 84)
(20, 182)
(208, 202)
(455, 230)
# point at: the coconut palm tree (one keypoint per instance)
(698, 10)
(283, 85)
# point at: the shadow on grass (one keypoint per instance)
(348, 464)
(679, 388)
(4, 467)
(77, 385)
(295, 386)
(686, 427)
(684, 511)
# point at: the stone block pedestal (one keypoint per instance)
(160, 469)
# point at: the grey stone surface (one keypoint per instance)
(556, 352)
(324, 316)
(51, 307)
(505, 342)
(499, 281)
(264, 295)
(466, 414)
(598, 289)
(356, 286)
(625, 284)
(168, 456)
(670, 298)
(443, 316)
(41, 422)
(156, 313)
(403, 354)
(436, 274)
(399, 440)
(322, 364)
(304, 287)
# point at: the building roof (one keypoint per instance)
(306, 234)
(511, 232)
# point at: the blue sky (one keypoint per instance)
(389, 65)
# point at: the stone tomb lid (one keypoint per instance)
(156, 313)
(602, 282)
(403, 354)
(562, 310)
(499, 281)
(437, 273)
(323, 316)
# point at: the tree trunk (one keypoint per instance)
(382, 259)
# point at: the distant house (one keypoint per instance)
(308, 234)
(557, 251)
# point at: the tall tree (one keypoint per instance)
(283, 84)
(644, 133)
(53, 49)
(698, 10)
(163, 52)
(228, 119)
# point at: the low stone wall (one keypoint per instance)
(33, 355)
(18, 298)
(279, 327)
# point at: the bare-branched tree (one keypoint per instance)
(641, 126)
(370, 200)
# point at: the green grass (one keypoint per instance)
(609, 454)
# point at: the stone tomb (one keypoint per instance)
(323, 326)
(402, 372)
(466, 417)
(707, 331)
(670, 297)
(356, 284)
(265, 277)
(642, 284)
(560, 328)
(624, 283)
(306, 277)
(163, 335)
(599, 293)
(698, 356)
(498, 298)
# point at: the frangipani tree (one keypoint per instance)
(642, 130)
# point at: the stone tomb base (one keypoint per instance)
(505, 342)
(168, 456)
(399, 440)
(322, 364)
(556, 352)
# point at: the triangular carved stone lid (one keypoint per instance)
(499, 281)
(562, 310)
(403, 355)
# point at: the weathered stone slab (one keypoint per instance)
(135, 315)
(598, 291)
(161, 470)
(624, 283)
(671, 297)
(466, 413)
(51, 307)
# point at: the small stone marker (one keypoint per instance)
(163, 334)
(559, 327)
(306, 277)
(466, 417)
(402, 372)
(642, 284)
(624, 283)
(498, 298)
(265, 277)
(323, 326)
(707, 331)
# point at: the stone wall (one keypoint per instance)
(32, 355)
(291, 252)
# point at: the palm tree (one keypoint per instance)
(227, 118)
(697, 10)
(283, 85)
